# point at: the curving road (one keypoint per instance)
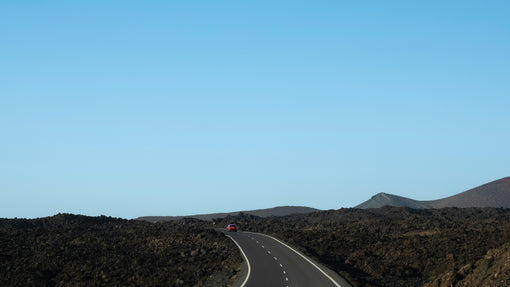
(272, 263)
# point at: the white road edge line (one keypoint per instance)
(245, 258)
(304, 257)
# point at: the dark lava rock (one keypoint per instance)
(73, 250)
(393, 246)
(492, 270)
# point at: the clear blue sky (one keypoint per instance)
(131, 108)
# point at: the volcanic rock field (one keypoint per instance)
(389, 246)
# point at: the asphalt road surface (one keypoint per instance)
(271, 263)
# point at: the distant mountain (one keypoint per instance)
(492, 194)
(275, 211)
(385, 199)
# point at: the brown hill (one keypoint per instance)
(385, 199)
(268, 212)
(492, 194)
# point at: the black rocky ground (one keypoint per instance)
(72, 250)
(374, 247)
(398, 246)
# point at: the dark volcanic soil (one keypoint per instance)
(72, 250)
(395, 246)
(374, 247)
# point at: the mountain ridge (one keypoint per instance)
(386, 199)
(265, 212)
(493, 194)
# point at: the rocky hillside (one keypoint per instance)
(275, 211)
(492, 270)
(492, 194)
(397, 246)
(72, 250)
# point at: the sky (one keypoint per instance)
(135, 108)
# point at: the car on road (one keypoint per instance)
(232, 228)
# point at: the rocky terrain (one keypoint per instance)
(73, 250)
(386, 246)
(400, 246)
(492, 270)
(374, 247)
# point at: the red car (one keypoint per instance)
(232, 227)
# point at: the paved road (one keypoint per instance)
(271, 263)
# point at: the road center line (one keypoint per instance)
(304, 257)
